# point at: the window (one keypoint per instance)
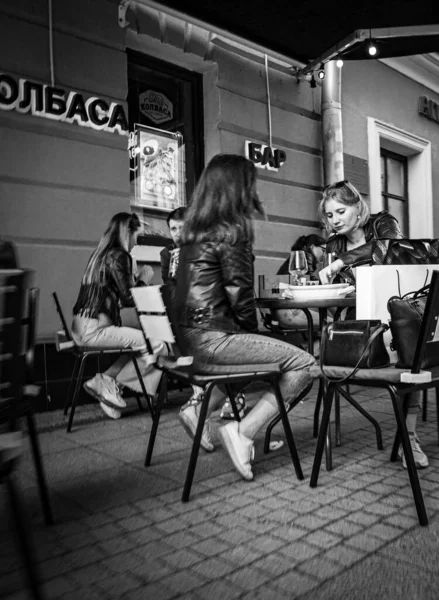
(169, 98)
(394, 187)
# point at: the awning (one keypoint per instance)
(304, 30)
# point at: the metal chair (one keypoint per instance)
(155, 315)
(390, 379)
(13, 405)
(66, 344)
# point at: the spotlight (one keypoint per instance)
(321, 72)
(372, 48)
(339, 63)
(312, 82)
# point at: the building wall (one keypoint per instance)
(372, 89)
(60, 183)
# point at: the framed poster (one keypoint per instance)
(155, 155)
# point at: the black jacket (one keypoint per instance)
(214, 288)
(112, 293)
(381, 225)
(165, 259)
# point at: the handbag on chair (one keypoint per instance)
(357, 344)
(406, 315)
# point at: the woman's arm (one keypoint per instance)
(121, 269)
(237, 272)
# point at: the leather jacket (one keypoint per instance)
(381, 225)
(112, 293)
(214, 288)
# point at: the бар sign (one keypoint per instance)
(264, 157)
(24, 96)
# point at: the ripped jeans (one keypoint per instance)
(101, 333)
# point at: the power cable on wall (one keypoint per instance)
(268, 101)
(52, 68)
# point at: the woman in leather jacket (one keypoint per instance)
(347, 217)
(215, 303)
(105, 288)
(344, 212)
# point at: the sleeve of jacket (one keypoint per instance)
(165, 259)
(122, 273)
(237, 273)
(385, 226)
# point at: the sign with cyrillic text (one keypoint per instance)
(265, 157)
(41, 100)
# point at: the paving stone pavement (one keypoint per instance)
(122, 531)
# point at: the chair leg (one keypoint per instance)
(365, 414)
(437, 412)
(76, 394)
(72, 385)
(323, 429)
(163, 388)
(24, 543)
(397, 440)
(41, 477)
(321, 391)
(287, 428)
(231, 394)
(337, 417)
(424, 404)
(196, 443)
(407, 449)
(142, 385)
(289, 406)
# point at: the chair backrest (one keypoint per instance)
(66, 330)
(14, 284)
(152, 313)
(429, 332)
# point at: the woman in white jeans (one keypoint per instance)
(105, 288)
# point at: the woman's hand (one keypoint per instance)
(328, 273)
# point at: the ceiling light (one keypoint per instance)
(372, 49)
(339, 63)
(321, 72)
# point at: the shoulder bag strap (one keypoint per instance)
(381, 329)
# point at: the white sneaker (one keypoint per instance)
(421, 460)
(241, 449)
(114, 389)
(100, 387)
(189, 419)
(113, 413)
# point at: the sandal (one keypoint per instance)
(227, 410)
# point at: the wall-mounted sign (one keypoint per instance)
(156, 106)
(428, 108)
(265, 157)
(24, 96)
(155, 156)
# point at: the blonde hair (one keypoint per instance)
(347, 194)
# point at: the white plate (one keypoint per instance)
(317, 292)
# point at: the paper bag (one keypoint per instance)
(376, 284)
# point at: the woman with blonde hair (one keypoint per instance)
(105, 288)
(346, 215)
(215, 303)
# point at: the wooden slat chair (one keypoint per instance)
(66, 344)
(17, 404)
(390, 379)
(155, 315)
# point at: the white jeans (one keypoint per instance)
(101, 333)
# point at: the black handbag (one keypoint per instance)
(358, 344)
(406, 315)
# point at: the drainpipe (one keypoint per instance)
(333, 167)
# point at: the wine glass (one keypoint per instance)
(297, 265)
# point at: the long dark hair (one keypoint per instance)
(121, 226)
(223, 202)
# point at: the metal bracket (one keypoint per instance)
(122, 10)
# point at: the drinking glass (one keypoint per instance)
(297, 265)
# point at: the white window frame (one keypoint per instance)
(419, 165)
